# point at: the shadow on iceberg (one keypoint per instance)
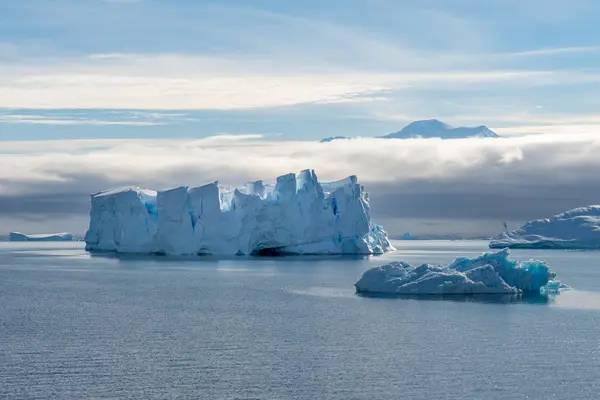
(523, 298)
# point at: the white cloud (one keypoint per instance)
(92, 117)
(553, 51)
(50, 120)
(360, 99)
(561, 129)
(235, 158)
(538, 123)
(169, 82)
(423, 180)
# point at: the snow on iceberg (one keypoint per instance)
(578, 228)
(490, 273)
(40, 237)
(296, 215)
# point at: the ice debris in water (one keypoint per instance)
(554, 287)
(490, 273)
(297, 214)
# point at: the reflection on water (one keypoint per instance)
(213, 258)
(575, 299)
(571, 299)
(330, 292)
(528, 298)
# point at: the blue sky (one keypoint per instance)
(295, 70)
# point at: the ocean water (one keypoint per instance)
(75, 326)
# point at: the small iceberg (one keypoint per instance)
(490, 273)
(554, 287)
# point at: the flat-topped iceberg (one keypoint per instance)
(490, 273)
(40, 237)
(578, 228)
(296, 215)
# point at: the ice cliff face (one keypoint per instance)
(578, 228)
(490, 273)
(296, 215)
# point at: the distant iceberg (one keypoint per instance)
(578, 228)
(490, 273)
(296, 215)
(41, 237)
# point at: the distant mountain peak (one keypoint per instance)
(431, 128)
(434, 128)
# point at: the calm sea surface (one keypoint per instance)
(79, 326)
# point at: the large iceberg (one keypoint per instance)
(578, 228)
(490, 273)
(40, 237)
(296, 215)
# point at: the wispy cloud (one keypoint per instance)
(90, 117)
(572, 129)
(188, 82)
(45, 120)
(357, 99)
(553, 51)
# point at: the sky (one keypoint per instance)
(188, 91)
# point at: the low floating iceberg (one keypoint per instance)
(554, 287)
(40, 237)
(296, 215)
(576, 229)
(490, 273)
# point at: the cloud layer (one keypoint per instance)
(168, 82)
(471, 179)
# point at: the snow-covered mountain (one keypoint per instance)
(430, 128)
(433, 128)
